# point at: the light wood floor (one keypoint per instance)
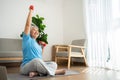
(86, 73)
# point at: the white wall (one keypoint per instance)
(73, 22)
(13, 14)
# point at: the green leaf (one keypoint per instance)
(41, 18)
(37, 16)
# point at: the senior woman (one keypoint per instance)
(33, 63)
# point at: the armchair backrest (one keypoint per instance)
(79, 42)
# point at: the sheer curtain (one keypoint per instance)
(103, 29)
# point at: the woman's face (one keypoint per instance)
(34, 32)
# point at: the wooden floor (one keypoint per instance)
(86, 73)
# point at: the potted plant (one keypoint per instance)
(38, 21)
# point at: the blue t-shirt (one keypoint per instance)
(31, 49)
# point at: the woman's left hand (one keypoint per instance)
(42, 43)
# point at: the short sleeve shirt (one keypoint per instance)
(31, 49)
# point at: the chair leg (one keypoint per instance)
(85, 61)
(56, 60)
(69, 63)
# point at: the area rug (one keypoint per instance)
(17, 76)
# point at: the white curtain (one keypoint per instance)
(103, 29)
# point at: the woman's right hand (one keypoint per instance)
(31, 7)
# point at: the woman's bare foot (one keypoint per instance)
(32, 74)
(60, 72)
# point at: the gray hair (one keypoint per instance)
(33, 25)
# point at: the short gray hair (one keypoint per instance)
(33, 25)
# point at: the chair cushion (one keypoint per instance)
(65, 54)
(62, 54)
(76, 54)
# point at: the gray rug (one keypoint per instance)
(17, 76)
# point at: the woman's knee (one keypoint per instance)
(54, 64)
(30, 66)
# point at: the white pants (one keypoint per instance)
(38, 65)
